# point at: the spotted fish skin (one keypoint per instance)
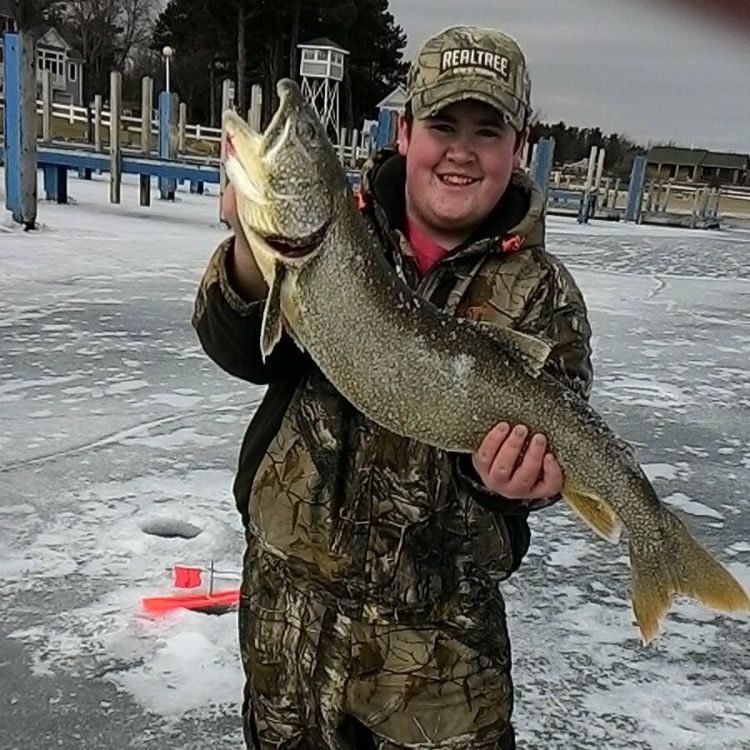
(436, 379)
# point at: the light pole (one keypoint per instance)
(167, 53)
(167, 127)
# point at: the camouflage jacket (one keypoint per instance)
(371, 523)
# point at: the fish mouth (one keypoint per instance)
(261, 144)
(293, 248)
(291, 104)
(270, 210)
(242, 155)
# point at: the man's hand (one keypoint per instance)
(246, 277)
(506, 469)
(229, 214)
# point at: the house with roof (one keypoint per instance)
(389, 109)
(698, 165)
(56, 54)
(53, 53)
(395, 101)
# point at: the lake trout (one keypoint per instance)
(425, 375)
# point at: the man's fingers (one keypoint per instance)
(552, 478)
(529, 471)
(507, 456)
(487, 451)
(511, 464)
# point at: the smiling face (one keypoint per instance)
(458, 165)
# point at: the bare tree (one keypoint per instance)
(137, 19)
(30, 13)
(108, 32)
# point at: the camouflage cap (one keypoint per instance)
(470, 62)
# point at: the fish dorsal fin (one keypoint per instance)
(533, 350)
(596, 513)
(272, 327)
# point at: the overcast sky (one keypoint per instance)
(640, 68)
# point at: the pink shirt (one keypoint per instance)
(427, 252)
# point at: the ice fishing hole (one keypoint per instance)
(216, 609)
(170, 528)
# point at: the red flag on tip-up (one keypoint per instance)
(189, 577)
(186, 577)
(205, 602)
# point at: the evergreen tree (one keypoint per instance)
(256, 42)
(572, 144)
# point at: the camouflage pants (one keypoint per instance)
(317, 680)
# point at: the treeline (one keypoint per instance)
(255, 41)
(573, 144)
(249, 41)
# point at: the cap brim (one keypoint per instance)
(429, 103)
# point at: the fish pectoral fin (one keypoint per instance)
(595, 512)
(681, 566)
(533, 350)
(272, 327)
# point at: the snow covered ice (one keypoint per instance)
(114, 423)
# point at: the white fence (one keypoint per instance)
(72, 114)
(352, 147)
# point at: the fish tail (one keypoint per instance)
(681, 566)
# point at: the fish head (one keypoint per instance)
(286, 180)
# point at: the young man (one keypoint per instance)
(370, 614)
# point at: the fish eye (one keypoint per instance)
(306, 130)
